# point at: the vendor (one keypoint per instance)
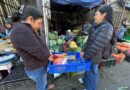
(122, 30)
(69, 36)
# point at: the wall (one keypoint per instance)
(7, 7)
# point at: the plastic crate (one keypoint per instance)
(126, 38)
(74, 66)
(71, 65)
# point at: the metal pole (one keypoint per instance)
(45, 20)
(41, 5)
(122, 14)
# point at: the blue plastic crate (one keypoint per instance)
(71, 66)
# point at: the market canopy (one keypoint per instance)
(83, 3)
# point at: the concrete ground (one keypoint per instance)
(115, 78)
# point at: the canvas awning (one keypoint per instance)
(83, 3)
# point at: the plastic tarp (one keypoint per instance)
(83, 3)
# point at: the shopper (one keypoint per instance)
(100, 36)
(29, 45)
(122, 30)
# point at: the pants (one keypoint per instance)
(90, 77)
(39, 76)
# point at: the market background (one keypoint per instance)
(116, 77)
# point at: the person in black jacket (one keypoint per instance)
(100, 35)
(30, 46)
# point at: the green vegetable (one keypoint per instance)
(80, 39)
(128, 31)
(60, 41)
(55, 33)
(52, 43)
(74, 49)
(56, 48)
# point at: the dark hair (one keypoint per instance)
(8, 21)
(15, 17)
(108, 10)
(27, 11)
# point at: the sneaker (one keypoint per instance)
(80, 80)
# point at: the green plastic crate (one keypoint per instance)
(126, 38)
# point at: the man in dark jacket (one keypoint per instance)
(100, 36)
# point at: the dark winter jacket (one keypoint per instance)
(29, 46)
(99, 38)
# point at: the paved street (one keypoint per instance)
(117, 76)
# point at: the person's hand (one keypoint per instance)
(50, 58)
(84, 56)
(81, 53)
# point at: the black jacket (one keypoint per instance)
(29, 46)
(99, 39)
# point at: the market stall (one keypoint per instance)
(66, 54)
(7, 55)
(83, 3)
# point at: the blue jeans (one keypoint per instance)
(39, 76)
(90, 77)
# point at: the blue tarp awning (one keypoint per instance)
(83, 3)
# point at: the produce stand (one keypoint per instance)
(127, 52)
(117, 57)
(8, 61)
(7, 55)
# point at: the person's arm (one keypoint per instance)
(101, 40)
